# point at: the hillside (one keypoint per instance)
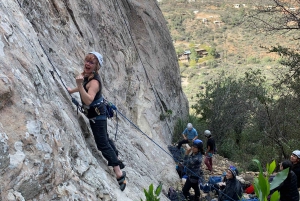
(220, 25)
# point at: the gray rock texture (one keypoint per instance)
(47, 151)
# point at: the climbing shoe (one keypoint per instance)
(122, 181)
(121, 164)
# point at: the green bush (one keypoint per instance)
(253, 60)
(193, 63)
(227, 148)
(163, 116)
(267, 60)
(252, 167)
(212, 63)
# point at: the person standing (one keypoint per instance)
(210, 150)
(295, 159)
(189, 135)
(89, 87)
(192, 163)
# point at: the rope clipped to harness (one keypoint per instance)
(79, 107)
(111, 109)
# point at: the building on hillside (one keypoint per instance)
(201, 52)
(236, 5)
(293, 9)
(270, 7)
(218, 22)
(185, 56)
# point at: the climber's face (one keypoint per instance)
(91, 64)
(195, 149)
(229, 174)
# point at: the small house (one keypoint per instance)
(185, 56)
(201, 52)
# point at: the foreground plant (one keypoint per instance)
(262, 186)
(151, 195)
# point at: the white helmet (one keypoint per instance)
(207, 133)
(189, 126)
(296, 153)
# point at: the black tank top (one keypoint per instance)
(86, 81)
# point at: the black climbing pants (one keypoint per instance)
(187, 186)
(99, 128)
(182, 142)
(112, 144)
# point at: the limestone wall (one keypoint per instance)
(46, 149)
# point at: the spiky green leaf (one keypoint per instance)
(158, 190)
(272, 167)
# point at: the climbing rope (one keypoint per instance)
(175, 159)
(79, 107)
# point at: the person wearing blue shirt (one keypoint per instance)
(189, 135)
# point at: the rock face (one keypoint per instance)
(47, 151)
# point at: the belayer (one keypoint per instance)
(89, 87)
(193, 164)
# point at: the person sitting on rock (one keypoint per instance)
(295, 159)
(189, 134)
(232, 190)
(193, 169)
(288, 188)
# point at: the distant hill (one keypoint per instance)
(220, 25)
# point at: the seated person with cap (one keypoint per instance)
(232, 190)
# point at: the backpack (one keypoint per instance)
(173, 195)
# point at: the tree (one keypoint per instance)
(249, 110)
(280, 17)
(213, 52)
(193, 56)
(275, 16)
(281, 119)
(228, 103)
